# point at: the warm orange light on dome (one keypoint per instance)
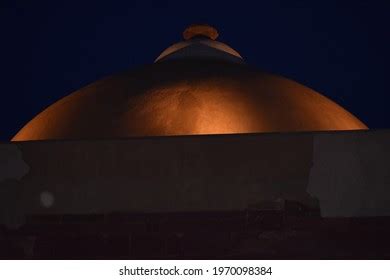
(184, 109)
(198, 86)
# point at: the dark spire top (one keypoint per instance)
(203, 30)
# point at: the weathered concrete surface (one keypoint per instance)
(351, 174)
(12, 170)
(12, 165)
(347, 172)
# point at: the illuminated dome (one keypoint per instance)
(198, 86)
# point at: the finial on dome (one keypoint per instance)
(200, 30)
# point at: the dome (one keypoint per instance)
(199, 86)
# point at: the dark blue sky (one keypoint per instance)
(52, 48)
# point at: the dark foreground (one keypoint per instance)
(273, 234)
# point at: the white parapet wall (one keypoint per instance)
(345, 174)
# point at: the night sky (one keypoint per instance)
(52, 48)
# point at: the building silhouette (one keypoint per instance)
(198, 155)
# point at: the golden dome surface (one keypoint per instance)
(200, 88)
